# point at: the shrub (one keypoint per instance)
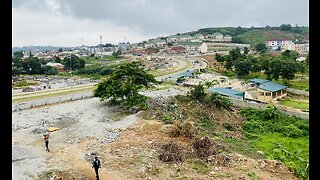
(198, 93)
(292, 131)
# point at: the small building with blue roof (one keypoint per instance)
(228, 92)
(269, 91)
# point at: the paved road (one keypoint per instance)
(190, 59)
(185, 60)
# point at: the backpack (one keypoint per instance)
(96, 163)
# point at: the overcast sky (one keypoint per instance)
(76, 22)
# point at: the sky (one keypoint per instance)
(71, 23)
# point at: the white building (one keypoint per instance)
(276, 43)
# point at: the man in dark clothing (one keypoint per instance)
(46, 141)
(96, 165)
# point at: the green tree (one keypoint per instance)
(228, 62)
(48, 70)
(198, 93)
(123, 85)
(242, 68)
(18, 54)
(255, 64)
(288, 71)
(235, 54)
(246, 50)
(261, 47)
(265, 65)
(285, 27)
(117, 53)
(219, 57)
(290, 55)
(57, 59)
(32, 65)
(276, 68)
(73, 62)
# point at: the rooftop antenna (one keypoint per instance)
(81, 41)
(101, 45)
(124, 39)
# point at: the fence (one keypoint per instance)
(247, 104)
(298, 92)
(50, 100)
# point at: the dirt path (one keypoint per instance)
(85, 126)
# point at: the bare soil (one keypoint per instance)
(127, 145)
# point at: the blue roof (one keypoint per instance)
(257, 80)
(271, 86)
(228, 92)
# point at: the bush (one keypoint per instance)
(198, 93)
(292, 131)
(219, 101)
(171, 152)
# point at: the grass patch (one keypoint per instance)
(23, 83)
(295, 104)
(293, 152)
(200, 166)
(242, 146)
(302, 85)
(281, 137)
(253, 176)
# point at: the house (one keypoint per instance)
(217, 36)
(179, 38)
(276, 43)
(194, 46)
(178, 50)
(58, 66)
(233, 93)
(269, 91)
(198, 36)
(227, 38)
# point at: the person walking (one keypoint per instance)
(96, 165)
(46, 141)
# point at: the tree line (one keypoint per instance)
(35, 65)
(283, 66)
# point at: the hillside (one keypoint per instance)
(255, 35)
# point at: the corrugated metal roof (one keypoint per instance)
(228, 92)
(268, 85)
(257, 80)
(271, 86)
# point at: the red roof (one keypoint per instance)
(178, 48)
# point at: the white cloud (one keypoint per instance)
(66, 22)
(39, 28)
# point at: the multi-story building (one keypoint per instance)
(276, 43)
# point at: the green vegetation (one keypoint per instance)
(295, 104)
(123, 85)
(23, 83)
(302, 85)
(41, 96)
(281, 137)
(284, 66)
(73, 62)
(256, 35)
(200, 166)
(31, 65)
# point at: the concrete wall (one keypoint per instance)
(247, 104)
(298, 92)
(50, 100)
